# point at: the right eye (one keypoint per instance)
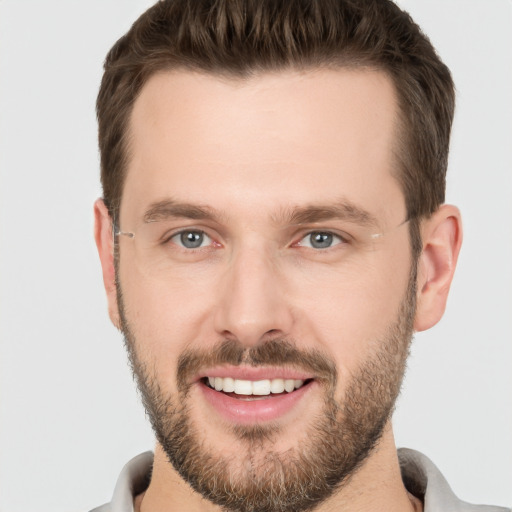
(191, 239)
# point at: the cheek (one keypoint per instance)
(164, 316)
(349, 315)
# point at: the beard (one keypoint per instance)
(260, 478)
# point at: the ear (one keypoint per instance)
(105, 244)
(441, 238)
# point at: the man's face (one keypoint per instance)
(254, 265)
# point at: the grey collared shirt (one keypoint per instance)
(420, 476)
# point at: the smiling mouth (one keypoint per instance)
(254, 389)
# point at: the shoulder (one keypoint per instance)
(422, 478)
(103, 508)
(133, 479)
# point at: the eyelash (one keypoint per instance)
(168, 238)
(343, 239)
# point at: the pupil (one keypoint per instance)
(321, 240)
(192, 239)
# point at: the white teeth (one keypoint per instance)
(289, 385)
(261, 387)
(229, 385)
(277, 385)
(243, 387)
(258, 387)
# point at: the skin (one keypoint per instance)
(249, 150)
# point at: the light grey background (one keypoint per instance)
(69, 415)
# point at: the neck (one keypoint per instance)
(376, 486)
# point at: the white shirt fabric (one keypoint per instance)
(421, 478)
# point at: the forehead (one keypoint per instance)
(285, 138)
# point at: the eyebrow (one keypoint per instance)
(309, 214)
(340, 210)
(168, 208)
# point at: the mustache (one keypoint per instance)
(275, 352)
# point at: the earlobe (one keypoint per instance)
(442, 239)
(105, 244)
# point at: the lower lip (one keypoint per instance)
(248, 412)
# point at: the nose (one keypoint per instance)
(253, 306)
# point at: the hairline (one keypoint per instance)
(400, 144)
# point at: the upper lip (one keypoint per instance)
(254, 374)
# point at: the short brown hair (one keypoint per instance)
(239, 38)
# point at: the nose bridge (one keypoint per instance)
(253, 299)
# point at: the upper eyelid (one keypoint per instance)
(170, 234)
(342, 240)
(343, 235)
(216, 236)
(181, 229)
(166, 240)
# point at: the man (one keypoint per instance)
(271, 235)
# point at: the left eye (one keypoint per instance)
(192, 239)
(320, 240)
